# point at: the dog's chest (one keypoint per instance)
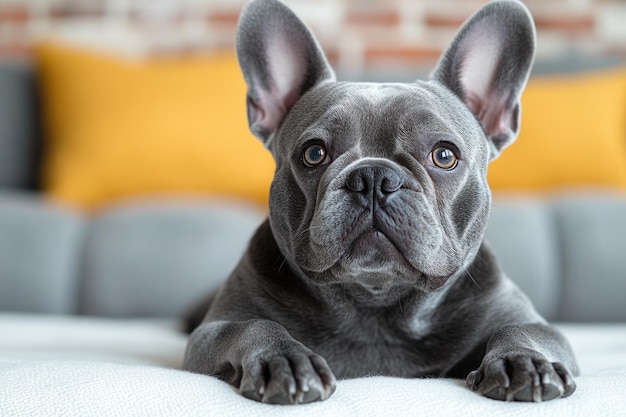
(382, 345)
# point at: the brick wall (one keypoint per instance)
(356, 34)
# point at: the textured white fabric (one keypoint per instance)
(24, 336)
(88, 367)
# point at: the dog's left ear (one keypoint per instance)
(280, 60)
(487, 66)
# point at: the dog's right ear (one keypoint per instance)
(280, 60)
(487, 66)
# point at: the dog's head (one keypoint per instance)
(383, 184)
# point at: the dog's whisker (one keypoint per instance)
(305, 231)
(281, 265)
(469, 275)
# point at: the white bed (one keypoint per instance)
(77, 366)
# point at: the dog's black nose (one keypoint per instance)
(374, 178)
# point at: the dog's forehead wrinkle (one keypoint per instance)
(376, 111)
(413, 112)
(337, 113)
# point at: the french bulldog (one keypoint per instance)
(372, 259)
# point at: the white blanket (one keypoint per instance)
(53, 366)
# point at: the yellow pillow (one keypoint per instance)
(118, 128)
(573, 134)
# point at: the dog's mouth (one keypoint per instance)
(372, 251)
(376, 262)
(373, 256)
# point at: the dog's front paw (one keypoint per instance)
(290, 376)
(522, 376)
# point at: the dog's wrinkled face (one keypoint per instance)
(382, 184)
(374, 183)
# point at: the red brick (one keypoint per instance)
(223, 18)
(14, 14)
(441, 21)
(565, 23)
(451, 14)
(551, 21)
(383, 18)
(15, 50)
(411, 54)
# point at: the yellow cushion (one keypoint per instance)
(117, 128)
(573, 134)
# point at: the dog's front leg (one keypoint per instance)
(531, 362)
(261, 359)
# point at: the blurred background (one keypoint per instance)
(129, 183)
(61, 41)
(356, 34)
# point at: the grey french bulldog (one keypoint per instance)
(372, 259)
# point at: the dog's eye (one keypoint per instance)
(444, 158)
(314, 155)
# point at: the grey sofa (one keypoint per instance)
(141, 259)
(155, 258)
(80, 295)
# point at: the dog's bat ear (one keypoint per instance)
(487, 66)
(280, 60)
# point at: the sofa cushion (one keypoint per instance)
(19, 123)
(523, 235)
(593, 240)
(119, 128)
(572, 134)
(40, 249)
(158, 258)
